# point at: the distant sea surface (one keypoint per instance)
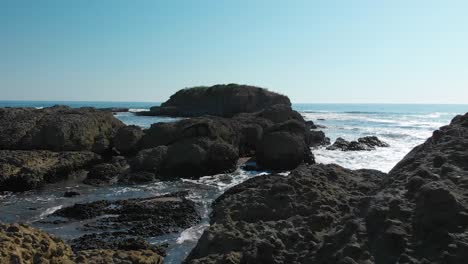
(402, 126)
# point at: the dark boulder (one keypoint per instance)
(316, 138)
(108, 172)
(196, 157)
(220, 100)
(127, 139)
(57, 128)
(284, 147)
(69, 194)
(22, 170)
(372, 141)
(311, 125)
(150, 160)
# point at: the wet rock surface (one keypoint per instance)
(220, 100)
(22, 170)
(144, 217)
(418, 213)
(364, 143)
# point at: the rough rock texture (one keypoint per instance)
(22, 170)
(114, 222)
(23, 244)
(127, 139)
(421, 213)
(210, 145)
(107, 172)
(316, 138)
(364, 143)
(57, 128)
(220, 100)
(285, 219)
(106, 256)
(284, 146)
(416, 214)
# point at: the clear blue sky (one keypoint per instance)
(314, 51)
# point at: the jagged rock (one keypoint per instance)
(364, 143)
(22, 170)
(287, 219)
(220, 100)
(127, 139)
(57, 128)
(372, 141)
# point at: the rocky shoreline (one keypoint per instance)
(316, 214)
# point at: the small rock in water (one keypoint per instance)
(364, 143)
(69, 194)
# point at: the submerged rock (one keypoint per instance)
(143, 217)
(22, 170)
(220, 100)
(57, 128)
(364, 143)
(69, 194)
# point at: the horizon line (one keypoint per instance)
(298, 103)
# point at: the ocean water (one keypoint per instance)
(402, 126)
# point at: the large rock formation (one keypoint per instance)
(210, 145)
(284, 219)
(220, 100)
(58, 128)
(421, 213)
(417, 214)
(23, 244)
(22, 170)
